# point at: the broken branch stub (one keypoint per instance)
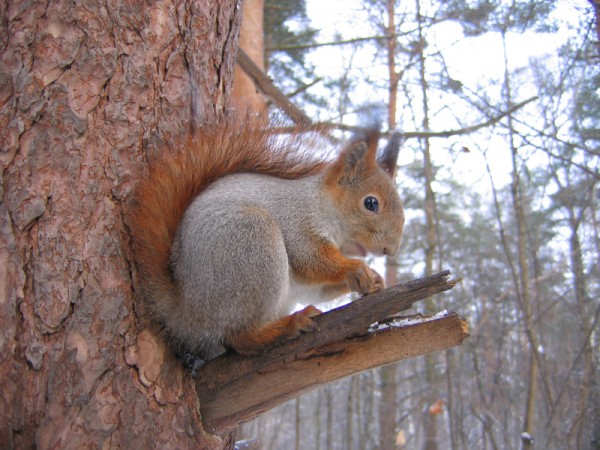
(234, 389)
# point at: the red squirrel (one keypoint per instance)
(233, 230)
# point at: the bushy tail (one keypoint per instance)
(175, 179)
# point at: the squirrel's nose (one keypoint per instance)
(391, 250)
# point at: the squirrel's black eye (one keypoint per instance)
(371, 203)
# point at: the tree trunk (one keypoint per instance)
(430, 422)
(298, 424)
(330, 407)
(245, 95)
(596, 5)
(587, 354)
(388, 416)
(89, 90)
(350, 445)
(523, 290)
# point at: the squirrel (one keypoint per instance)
(232, 230)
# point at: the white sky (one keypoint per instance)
(472, 61)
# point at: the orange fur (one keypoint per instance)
(242, 145)
(339, 167)
(245, 145)
(288, 327)
(330, 267)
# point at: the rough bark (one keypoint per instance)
(234, 389)
(87, 91)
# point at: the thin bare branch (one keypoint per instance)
(266, 86)
(333, 43)
(320, 126)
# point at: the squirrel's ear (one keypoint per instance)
(355, 159)
(388, 159)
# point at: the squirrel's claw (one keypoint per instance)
(365, 280)
(303, 320)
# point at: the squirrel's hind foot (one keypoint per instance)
(192, 363)
(257, 340)
(303, 321)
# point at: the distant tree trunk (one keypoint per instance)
(579, 287)
(298, 424)
(330, 406)
(318, 422)
(431, 373)
(388, 406)
(596, 5)
(388, 384)
(360, 418)
(90, 90)
(394, 77)
(523, 291)
(576, 208)
(350, 416)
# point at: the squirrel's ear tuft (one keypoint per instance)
(371, 139)
(389, 157)
(354, 154)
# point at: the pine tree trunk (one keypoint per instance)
(430, 423)
(244, 94)
(389, 386)
(523, 291)
(89, 90)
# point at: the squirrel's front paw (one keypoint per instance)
(365, 280)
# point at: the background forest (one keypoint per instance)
(498, 103)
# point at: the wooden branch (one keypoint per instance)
(234, 389)
(324, 126)
(266, 86)
(335, 43)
